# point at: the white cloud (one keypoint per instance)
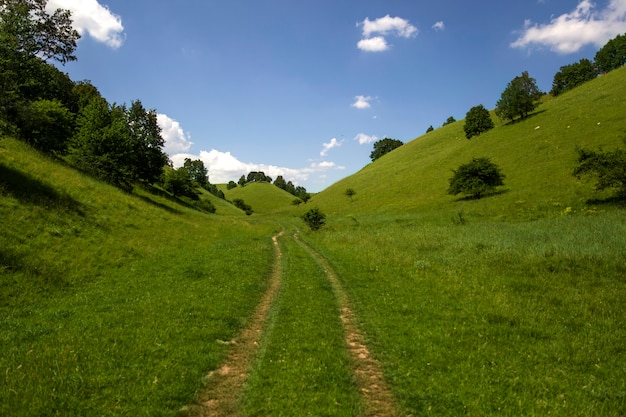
(383, 26)
(176, 140)
(362, 102)
(224, 167)
(95, 19)
(439, 26)
(377, 44)
(365, 139)
(334, 143)
(572, 31)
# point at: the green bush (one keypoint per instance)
(477, 121)
(314, 218)
(476, 178)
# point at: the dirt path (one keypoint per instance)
(377, 396)
(222, 395)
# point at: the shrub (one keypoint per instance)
(476, 178)
(314, 218)
(609, 168)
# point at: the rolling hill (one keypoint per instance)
(537, 155)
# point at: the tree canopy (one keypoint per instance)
(477, 121)
(383, 147)
(519, 98)
(608, 168)
(573, 75)
(612, 55)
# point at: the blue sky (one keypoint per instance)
(303, 88)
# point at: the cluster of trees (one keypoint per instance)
(611, 56)
(44, 107)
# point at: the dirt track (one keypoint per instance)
(223, 394)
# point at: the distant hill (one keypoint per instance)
(537, 155)
(263, 197)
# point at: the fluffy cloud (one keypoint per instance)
(382, 27)
(224, 167)
(176, 140)
(362, 102)
(93, 18)
(334, 143)
(365, 139)
(388, 24)
(570, 32)
(439, 26)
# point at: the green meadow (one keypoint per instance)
(119, 304)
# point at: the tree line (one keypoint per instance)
(259, 176)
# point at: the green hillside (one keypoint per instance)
(263, 197)
(537, 156)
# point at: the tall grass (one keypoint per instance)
(492, 318)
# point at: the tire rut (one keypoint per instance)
(223, 393)
(378, 399)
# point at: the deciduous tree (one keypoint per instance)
(612, 55)
(608, 168)
(573, 75)
(519, 98)
(477, 121)
(383, 147)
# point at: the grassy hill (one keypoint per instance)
(537, 156)
(113, 301)
(263, 197)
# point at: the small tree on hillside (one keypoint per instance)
(476, 178)
(384, 146)
(449, 120)
(314, 218)
(350, 193)
(519, 98)
(477, 121)
(430, 129)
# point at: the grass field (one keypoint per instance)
(119, 304)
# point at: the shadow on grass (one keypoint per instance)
(480, 197)
(29, 190)
(520, 119)
(616, 200)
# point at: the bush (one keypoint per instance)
(314, 218)
(609, 168)
(47, 125)
(240, 204)
(476, 178)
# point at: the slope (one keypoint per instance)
(263, 197)
(537, 155)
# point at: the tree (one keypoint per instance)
(384, 146)
(27, 29)
(198, 172)
(350, 193)
(47, 125)
(608, 168)
(612, 55)
(145, 133)
(573, 75)
(519, 98)
(477, 121)
(476, 178)
(231, 184)
(449, 120)
(179, 183)
(102, 145)
(242, 180)
(314, 218)
(430, 129)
